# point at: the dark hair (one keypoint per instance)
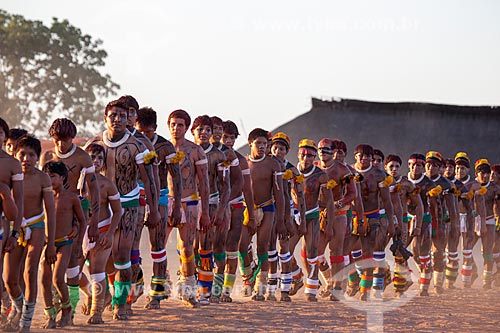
(16, 133)
(180, 114)
(202, 121)
(363, 149)
(116, 104)
(379, 153)
(95, 148)
(230, 128)
(339, 144)
(62, 128)
(495, 168)
(5, 127)
(463, 162)
(484, 168)
(216, 121)
(418, 156)
(58, 168)
(257, 133)
(130, 102)
(29, 141)
(449, 162)
(395, 158)
(146, 117)
(327, 142)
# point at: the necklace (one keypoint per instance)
(310, 172)
(416, 181)
(435, 180)
(209, 148)
(256, 159)
(465, 181)
(486, 185)
(68, 154)
(366, 170)
(112, 144)
(155, 139)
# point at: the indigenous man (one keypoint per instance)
(454, 232)
(11, 181)
(13, 135)
(146, 124)
(110, 212)
(421, 244)
(352, 239)
(217, 132)
(315, 184)
(126, 159)
(443, 214)
(215, 237)
(470, 207)
(374, 189)
(81, 181)
(38, 198)
(296, 221)
(267, 187)
(408, 196)
(486, 229)
(343, 194)
(495, 178)
(195, 188)
(241, 193)
(135, 255)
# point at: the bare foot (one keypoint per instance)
(119, 313)
(96, 318)
(66, 319)
(152, 303)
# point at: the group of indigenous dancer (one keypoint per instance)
(72, 207)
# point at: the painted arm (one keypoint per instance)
(389, 209)
(175, 173)
(107, 241)
(147, 177)
(419, 213)
(330, 207)
(480, 206)
(91, 180)
(224, 187)
(203, 188)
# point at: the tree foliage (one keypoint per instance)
(49, 72)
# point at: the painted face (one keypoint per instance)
(202, 134)
(378, 162)
(217, 133)
(56, 179)
(116, 120)
(339, 155)
(363, 160)
(279, 150)
(431, 169)
(393, 168)
(132, 117)
(325, 153)
(483, 177)
(258, 147)
(63, 145)
(147, 131)
(97, 160)
(306, 157)
(461, 171)
(416, 169)
(28, 158)
(228, 139)
(177, 128)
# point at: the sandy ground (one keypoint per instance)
(454, 311)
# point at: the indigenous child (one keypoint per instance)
(98, 253)
(31, 236)
(67, 206)
(11, 205)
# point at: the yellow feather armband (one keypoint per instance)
(330, 184)
(358, 178)
(299, 179)
(455, 191)
(287, 175)
(482, 190)
(469, 195)
(435, 191)
(386, 182)
(150, 158)
(177, 158)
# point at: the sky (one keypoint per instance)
(259, 63)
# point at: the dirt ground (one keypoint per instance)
(457, 310)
